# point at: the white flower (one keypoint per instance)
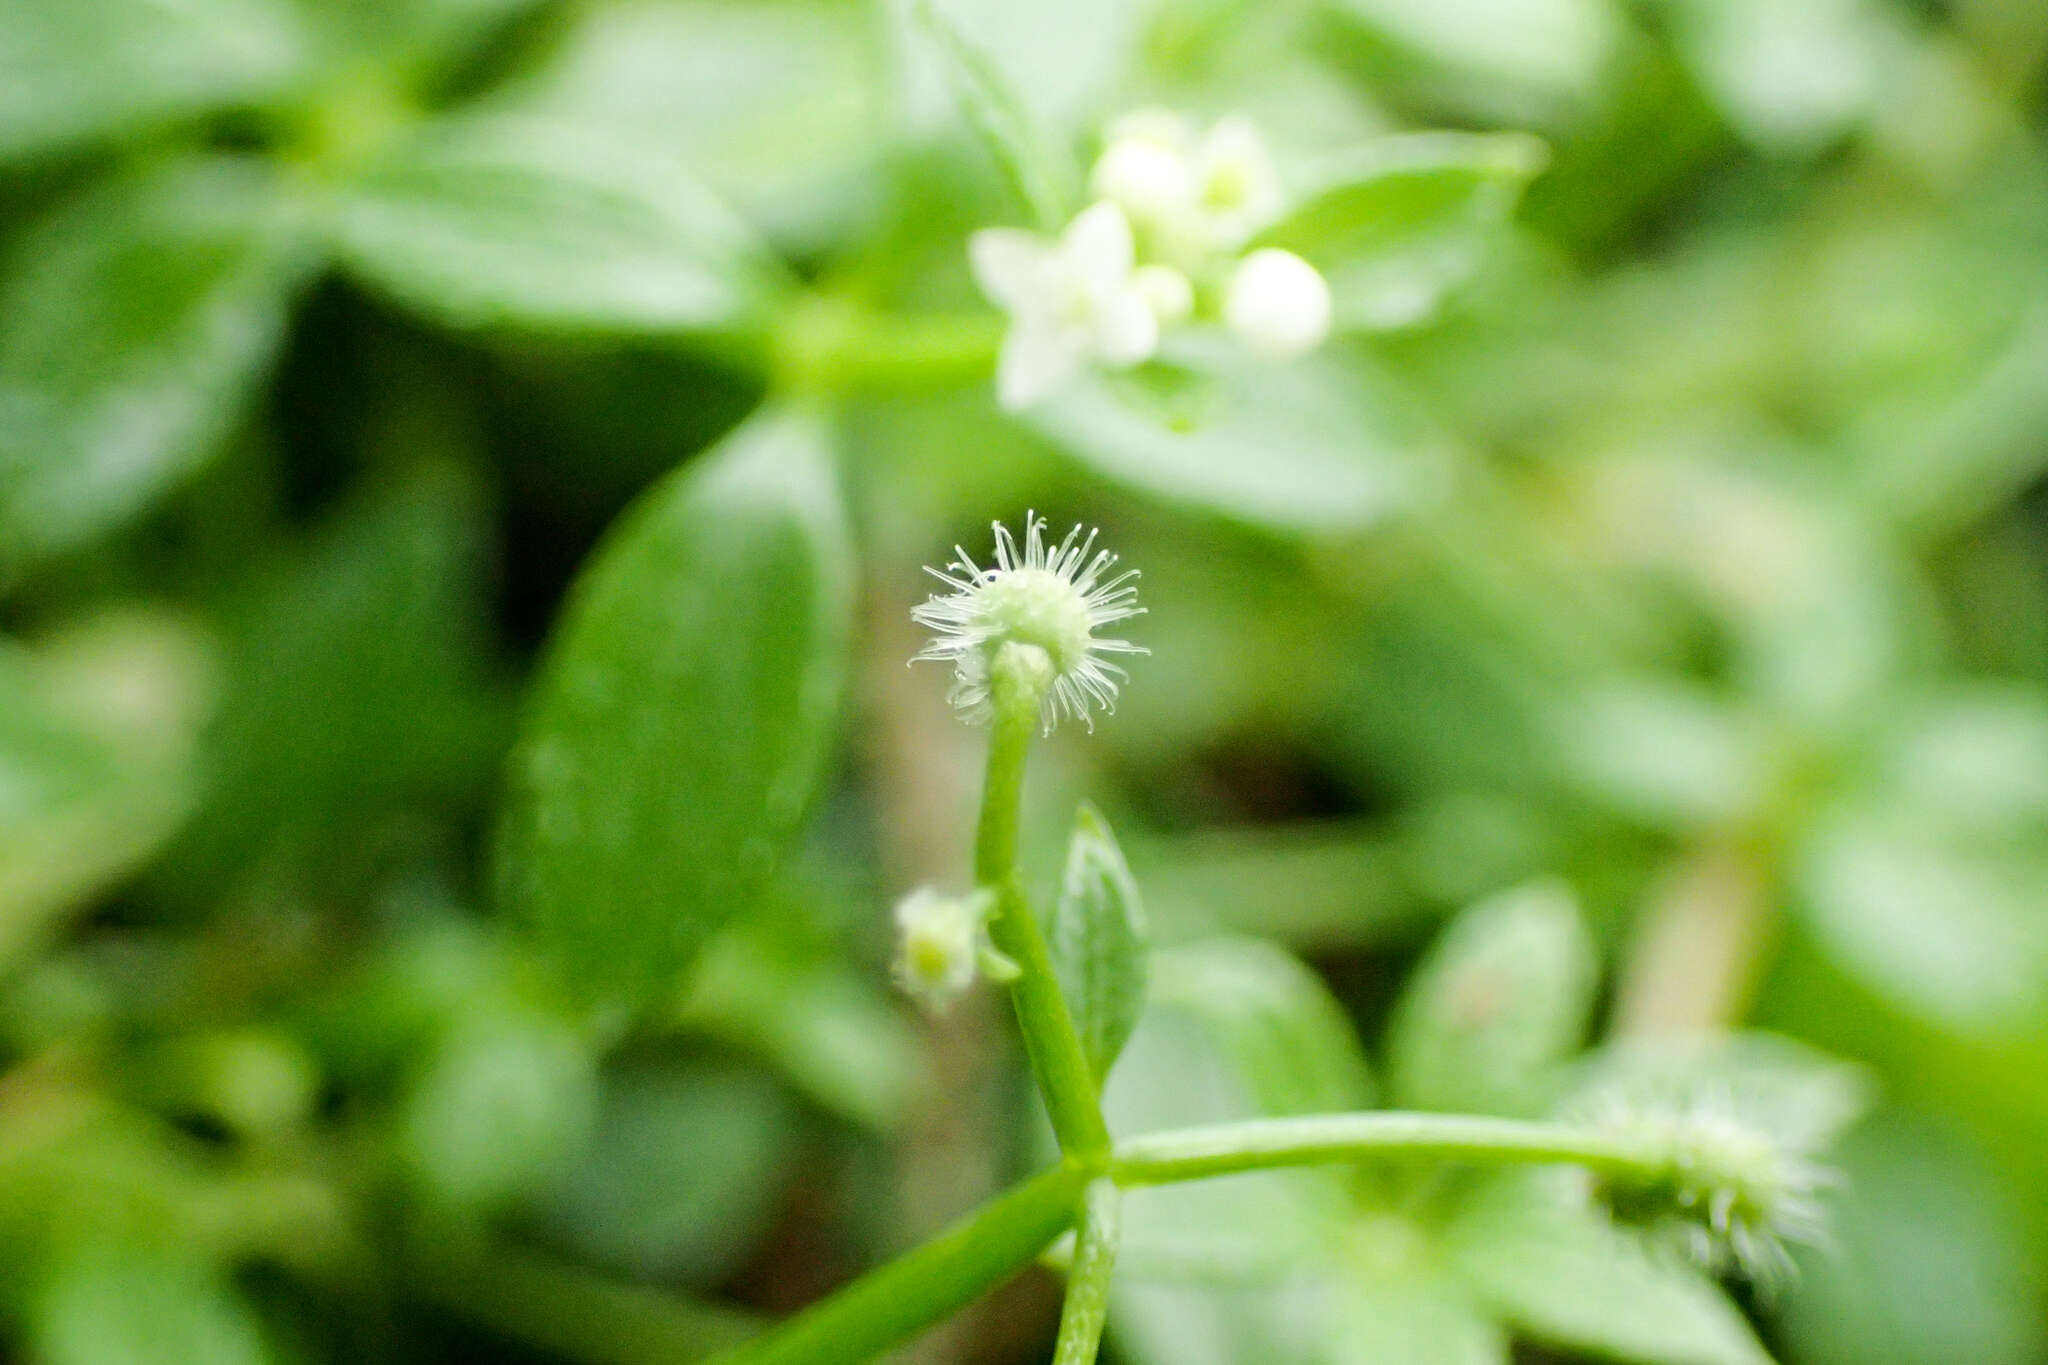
(1051, 600)
(938, 940)
(1277, 303)
(1238, 192)
(1070, 302)
(1147, 167)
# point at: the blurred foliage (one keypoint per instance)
(427, 932)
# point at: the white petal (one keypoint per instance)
(1036, 362)
(1277, 303)
(1008, 264)
(1097, 246)
(1126, 329)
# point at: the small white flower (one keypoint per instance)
(1070, 302)
(1238, 192)
(938, 941)
(1147, 167)
(1277, 303)
(1051, 600)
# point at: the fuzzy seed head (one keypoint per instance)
(1046, 606)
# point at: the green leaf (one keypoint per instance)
(548, 226)
(680, 1177)
(1097, 935)
(1954, 933)
(1537, 1255)
(1312, 446)
(1410, 1315)
(1398, 225)
(1498, 1006)
(1513, 59)
(1668, 753)
(822, 1020)
(1791, 77)
(139, 318)
(1292, 1043)
(683, 712)
(91, 782)
(502, 1104)
(408, 33)
(79, 71)
(1023, 149)
(136, 1304)
(359, 691)
(1925, 1261)
(772, 102)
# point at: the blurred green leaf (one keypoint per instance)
(97, 730)
(1547, 1263)
(1098, 937)
(773, 102)
(1410, 1315)
(1923, 1263)
(683, 712)
(822, 1020)
(1508, 58)
(502, 1104)
(680, 1176)
(77, 71)
(1790, 77)
(540, 225)
(406, 32)
(1312, 446)
(1665, 752)
(1959, 935)
(136, 1304)
(1273, 1017)
(359, 686)
(1023, 149)
(1400, 223)
(1500, 1003)
(139, 319)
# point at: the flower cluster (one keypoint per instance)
(1045, 601)
(1163, 244)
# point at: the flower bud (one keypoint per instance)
(1148, 179)
(1277, 303)
(938, 942)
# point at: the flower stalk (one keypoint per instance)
(1019, 675)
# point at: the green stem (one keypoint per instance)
(915, 1290)
(1258, 1144)
(1087, 1302)
(1057, 1060)
(828, 344)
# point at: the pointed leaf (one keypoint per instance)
(1312, 446)
(1496, 1008)
(682, 715)
(1539, 1257)
(549, 226)
(1405, 220)
(1023, 149)
(138, 320)
(1098, 939)
(76, 71)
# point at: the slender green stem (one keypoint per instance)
(916, 1290)
(1087, 1303)
(830, 344)
(1057, 1060)
(1257, 1144)
(564, 1309)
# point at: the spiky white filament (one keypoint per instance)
(1054, 596)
